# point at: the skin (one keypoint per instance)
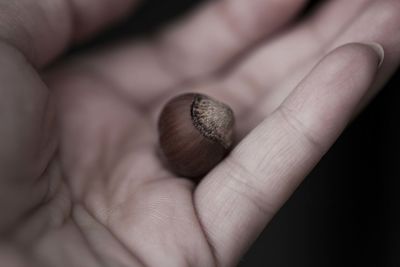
(81, 181)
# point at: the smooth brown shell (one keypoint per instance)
(196, 133)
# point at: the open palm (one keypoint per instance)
(81, 179)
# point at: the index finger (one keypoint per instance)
(238, 198)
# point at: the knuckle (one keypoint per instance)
(247, 184)
(296, 128)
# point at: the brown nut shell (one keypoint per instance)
(196, 133)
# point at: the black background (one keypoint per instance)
(346, 213)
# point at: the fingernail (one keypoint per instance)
(380, 51)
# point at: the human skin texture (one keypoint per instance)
(81, 183)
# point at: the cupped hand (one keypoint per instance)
(81, 180)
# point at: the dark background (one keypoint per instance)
(347, 212)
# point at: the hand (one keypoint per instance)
(81, 182)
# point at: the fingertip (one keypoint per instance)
(361, 54)
(379, 50)
(327, 98)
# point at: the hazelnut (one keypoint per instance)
(196, 132)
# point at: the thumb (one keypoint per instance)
(26, 144)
